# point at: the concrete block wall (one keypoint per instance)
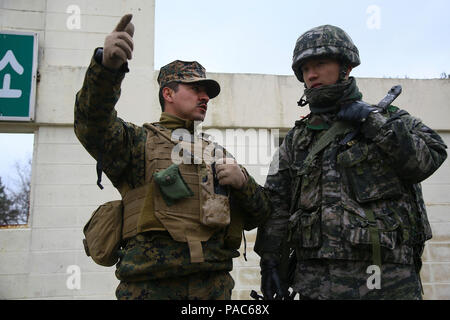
(63, 43)
(65, 195)
(436, 258)
(64, 51)
(36, 260)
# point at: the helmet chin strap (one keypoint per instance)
(302, 102)
(343, 70)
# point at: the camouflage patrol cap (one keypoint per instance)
(188, 72)
(326, 40)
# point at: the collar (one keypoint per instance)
(316, 122)
(173, 122)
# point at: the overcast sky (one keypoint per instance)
(400, 38)
(396, 38)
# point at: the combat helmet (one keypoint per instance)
(326, 40)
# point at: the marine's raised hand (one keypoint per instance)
(118, 47)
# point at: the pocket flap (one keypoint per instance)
(172, 185)
(308, 219)
(356, 154)
(168, 176)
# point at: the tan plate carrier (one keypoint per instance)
(146, 210)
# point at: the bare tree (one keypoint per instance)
(15, 203)
(20, 196)
(8, 215)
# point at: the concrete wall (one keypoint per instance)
(37, 261)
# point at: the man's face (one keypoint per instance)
(189, 102)
(319, 72)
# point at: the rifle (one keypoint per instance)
(393, 93)
(286, 270)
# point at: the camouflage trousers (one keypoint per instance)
(323, 279)
(214, 285)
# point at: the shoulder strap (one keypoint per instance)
(336, 129)
(158, 131)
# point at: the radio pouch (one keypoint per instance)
(172, 185)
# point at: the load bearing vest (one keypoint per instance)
(185, 220)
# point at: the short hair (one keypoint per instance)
(172, 85)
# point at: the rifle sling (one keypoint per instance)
(336, 129)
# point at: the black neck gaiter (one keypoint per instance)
(329, 98)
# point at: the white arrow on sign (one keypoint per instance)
(6, 92)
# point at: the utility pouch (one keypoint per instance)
(214, 205)
(305, 229)
(215, 211)
(103, 233)
(172, 185)
(370, 176)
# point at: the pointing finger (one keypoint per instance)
(123, 23)
(130, 29)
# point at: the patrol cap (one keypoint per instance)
(188, 72)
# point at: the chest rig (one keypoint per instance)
(193, 219)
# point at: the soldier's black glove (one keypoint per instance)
(356, 112)
(270, 280)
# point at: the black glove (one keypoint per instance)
(357, 111)
(270, 280)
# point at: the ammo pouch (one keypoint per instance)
(172, 185)
(103, 233)
(370, 177)
(304, 229)
(214, 207)
(215, 211)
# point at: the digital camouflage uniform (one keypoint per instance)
(152, 265)
(353, 196)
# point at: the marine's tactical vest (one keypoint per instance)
(193, 219)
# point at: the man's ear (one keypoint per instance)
(167, 94)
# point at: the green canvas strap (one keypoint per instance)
(336, 129)
(374, 238)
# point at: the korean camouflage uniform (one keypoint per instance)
(358, 202)
(380, 172)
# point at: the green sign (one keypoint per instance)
(18, 66)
